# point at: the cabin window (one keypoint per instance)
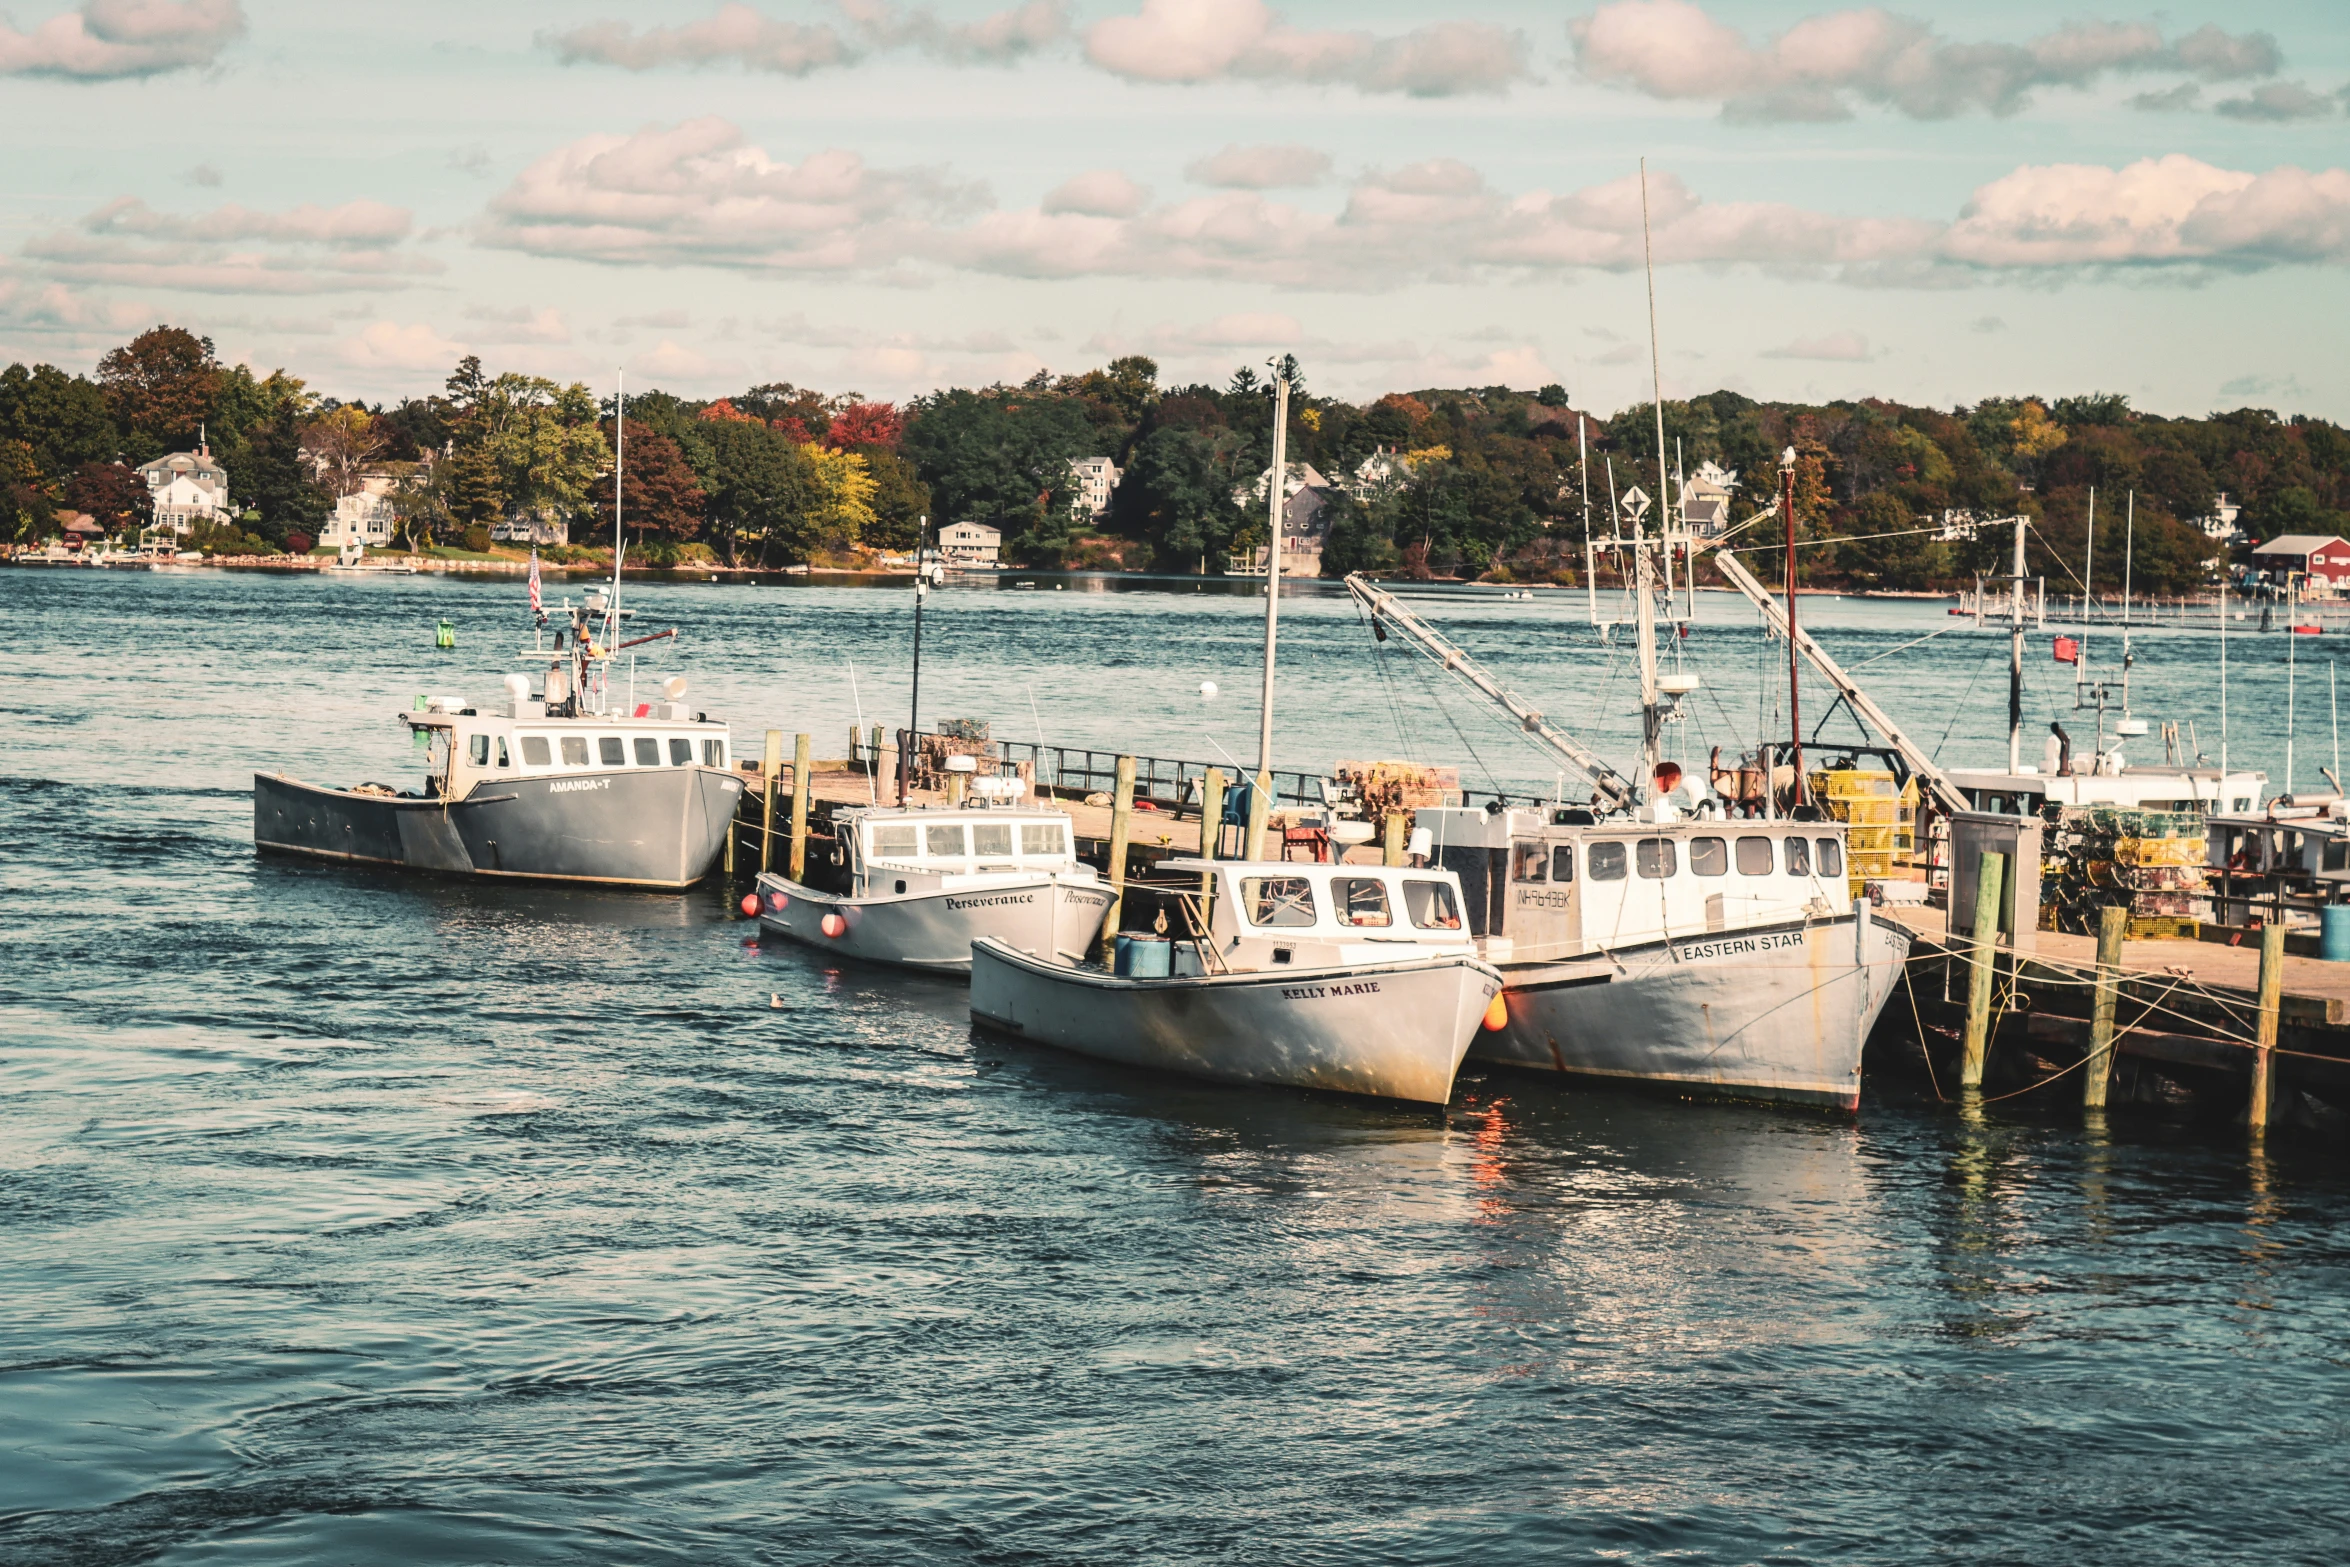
(648, 751)
(1530, 862)
(1607, 862)
(1709, 856)
(713, 753)
(1431, 905)
(575, 751)
(534, 752)
(611, 750)
(991, 839)
(1361, 900)
(502, 762)
(944, 840)
(893, 843)
(477, 750)
(1277, 900)
(1831, 857)
(681, 753)
(1798, 857)
(1042, 838)
(1754, 856)
(1658, 859)
(1562, 863)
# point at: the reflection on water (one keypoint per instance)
(371, 1218)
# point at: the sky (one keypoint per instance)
(869, 196)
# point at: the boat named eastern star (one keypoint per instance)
(1355, 979)
(916, 885)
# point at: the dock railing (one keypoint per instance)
(1171, 783)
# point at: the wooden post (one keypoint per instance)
(803, 784)
(1121, 825)
(734, 827)
(1211, 818)
(1990, 871)
(1391, 851)
(2112, 925)
(854, 740)
(770, 772)
(1260, 804)
(2272, 989)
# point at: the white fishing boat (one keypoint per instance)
(1357, 979)
(917, 885)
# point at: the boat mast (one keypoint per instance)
(2015, 656)
(1651, 716)
(914, 709)
(1794, 655)
(1273, 499)
(619, 468)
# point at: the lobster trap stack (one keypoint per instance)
(2148, 862)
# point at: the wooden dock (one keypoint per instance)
(2186, 1020)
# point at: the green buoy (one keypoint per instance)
(446, 636)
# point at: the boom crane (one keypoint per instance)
(1614, 790)
(1931, 777)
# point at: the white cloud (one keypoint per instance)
(697, 192)
(736, 34)
(387, 345)
(106, 40)
(1819, 67)
(2276, 101)
(1101, 193)
(1846, 346)
(519, 324)
(1208, 40)
(1260, 168)
(2157, 211)
(233, 249)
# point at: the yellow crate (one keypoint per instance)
(2160, 851)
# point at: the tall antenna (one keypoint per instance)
(1273, 501)
(1664, 494)
(619, 467)
(1644, 616)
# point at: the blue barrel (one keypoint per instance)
(2333, 933)
(1142, 957)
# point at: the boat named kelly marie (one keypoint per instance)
(1358, 979)
(916, 885)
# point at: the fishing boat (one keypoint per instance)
(1353, 979)
(568, 784)
(917, 885)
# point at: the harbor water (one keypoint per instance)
(354, 1217)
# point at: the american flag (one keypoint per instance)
(536, 607)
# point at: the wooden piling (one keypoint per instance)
(1990, 872)
(803, 777)
(2112, 925)
(1211, 814)
(1391, 849)
(770, 771)
(2272, 986)
(1121, 826)
(1260, 804)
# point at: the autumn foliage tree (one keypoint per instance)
(660, 496)
(161, 387)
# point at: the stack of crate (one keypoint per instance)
(1870, 805)
(2148, 862)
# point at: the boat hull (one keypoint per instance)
(1391, 1030)
(934, 930)
(1778, 1013)
(661, 828)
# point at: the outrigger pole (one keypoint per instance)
(1614, 791)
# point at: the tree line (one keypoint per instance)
(1484, 482)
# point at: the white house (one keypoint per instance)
(1297, 476)
(970, 544)
(1705, 499)
(541, 529)
(1375, 475)
(1096, 477)
(2220, 521)
(363, 517)
(187, 488)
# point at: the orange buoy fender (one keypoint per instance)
(750, 905)
(1497, 1014)
(834, 925)
(778, 902)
